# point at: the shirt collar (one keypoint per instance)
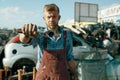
(53, 37)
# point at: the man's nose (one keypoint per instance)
(51, 19)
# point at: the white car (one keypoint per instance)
(18, 55)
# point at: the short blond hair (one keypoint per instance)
(51, 7)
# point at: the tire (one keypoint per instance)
(2, 55)
(29, 64)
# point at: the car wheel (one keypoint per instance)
(27, 64)
(2, 55)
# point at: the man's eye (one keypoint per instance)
(48, 17)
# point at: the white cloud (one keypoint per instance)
(15, 10)
(15, 16)
(9, 10)
(2, 0)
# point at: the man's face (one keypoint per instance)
(51, 19)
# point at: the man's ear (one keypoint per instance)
(59, 17)
(43, 18)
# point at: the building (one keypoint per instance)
(110, 14)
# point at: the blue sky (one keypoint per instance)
(16, 13)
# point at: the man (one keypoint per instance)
(55, 46)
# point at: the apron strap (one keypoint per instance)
(65, 39)
(45, 40)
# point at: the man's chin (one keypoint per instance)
(52, 27)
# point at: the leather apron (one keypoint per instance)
(53, 65)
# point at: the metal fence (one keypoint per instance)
(6, 75)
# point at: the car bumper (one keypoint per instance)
(7, 62)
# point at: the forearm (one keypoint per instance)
(73, 68)
(24, 39)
